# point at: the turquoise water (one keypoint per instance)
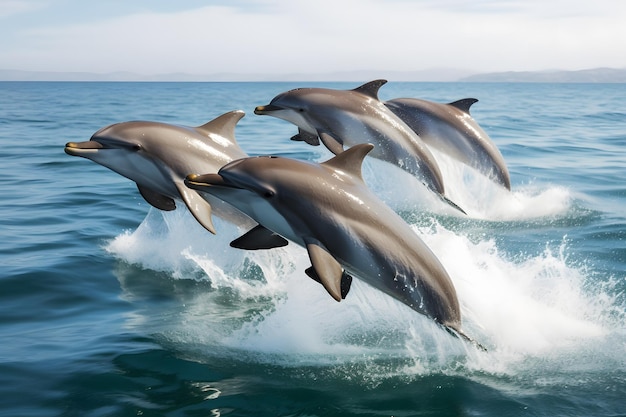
(111, 308)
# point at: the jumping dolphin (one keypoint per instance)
(158, 156)
(350, 117)
(345, 228)
(451, 129)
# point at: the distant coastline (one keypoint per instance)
(595, 75)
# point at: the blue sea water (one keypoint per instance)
(111, 308)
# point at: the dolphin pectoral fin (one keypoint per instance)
(157, 200)
(346, 280)
(331, 143)
(259, 238)
(198, 206)
(326, 268)
(307, 137)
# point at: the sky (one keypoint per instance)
(313, 36)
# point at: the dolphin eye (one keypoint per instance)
(269, 194)
(301, 110)
(137, 147)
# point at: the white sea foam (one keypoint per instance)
(476, 194)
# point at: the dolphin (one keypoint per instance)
(451, 129)
(346, 230)
(348, 117)
(158, 156)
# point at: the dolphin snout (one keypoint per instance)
(266, 109)
(90, 144)
(198, 182)
(75, 148)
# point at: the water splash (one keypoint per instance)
(532, 310)
(529, 304)
(261, 306)
(172, 242)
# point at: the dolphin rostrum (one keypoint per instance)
(451, 129)
(345, 228)
(158, 156)
(348, 117)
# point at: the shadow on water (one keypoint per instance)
(170, 383)
(160, 382)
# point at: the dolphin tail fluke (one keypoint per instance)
(452, 204)
(461, 335)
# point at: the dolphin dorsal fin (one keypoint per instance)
(223, 125)
(350, 160)
(464, 104)
(371, 88)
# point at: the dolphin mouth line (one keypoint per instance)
(266, 109)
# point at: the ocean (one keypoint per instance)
(109, 307)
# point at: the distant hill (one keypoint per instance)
(18, 75)
(435, 74)
(596, 75)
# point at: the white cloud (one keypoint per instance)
(328, 35)
(13, 7)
